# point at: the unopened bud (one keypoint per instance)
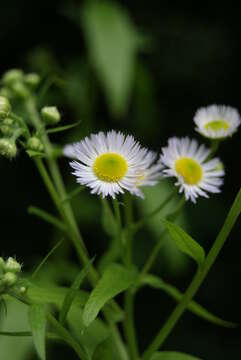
(5, 130)
(50, 115)
(8, 148)
(32, 80)
(20, 90)
(22, 290)
(12, 265)
(35, 144)
(9, 279)
(5, 107)
(12, 76)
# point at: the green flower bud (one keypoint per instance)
(12, 76)
(50, 115)
(8, 121)
(35, 144)
(32, 80)
(20, 90)
(12, 266)
(5, 130)
(5, 107)
(9, 279)
(8, 148)
(22, 290)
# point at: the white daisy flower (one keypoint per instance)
(217, 122)
(111, 163)
(187, 161)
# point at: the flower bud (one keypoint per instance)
(5, 107)
(12, 76)
(5, 130)
(35, 144)
(8, 148)
(20, 90)
(12, 266)
(50, 115)
(22, 290)
(32, 80)
(9, 279)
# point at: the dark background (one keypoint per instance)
(193, 60)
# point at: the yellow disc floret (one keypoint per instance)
(110, 167)
(189, 169)
(217, 125)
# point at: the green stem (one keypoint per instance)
(198, 278)
(129, 322)
(64, 208)
(151, 259)
(154, 212)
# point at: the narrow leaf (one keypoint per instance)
(37, 321)
(193, 306)
(33, 210)
(62, 128)
(114, 280)
(185, 243)
(69, 297)
(113, 42)
(46, 258)
(172, 355)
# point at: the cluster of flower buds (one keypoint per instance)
(16, 84)
(17, 88)
(9, 273)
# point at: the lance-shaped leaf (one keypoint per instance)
(69, 298)
(113, 42)
(185, 243)
(37, 321)
(172, 355)
(114, 280)
(194, 307)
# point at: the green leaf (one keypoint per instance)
(55, 295)
(113, 42)
(114, 280)
(185, 243)
(69, 298)
(37, 321)
(44, 215)
(193, 306)
(15, 348)
(172, 355)
(105, 351)
(62, 128)
(46, 258)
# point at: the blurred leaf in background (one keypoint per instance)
(15, 348)
(113, 43)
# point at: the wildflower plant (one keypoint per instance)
(113, 167)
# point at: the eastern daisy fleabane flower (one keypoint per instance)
(187, 161)
(217, 121)
(111, 163)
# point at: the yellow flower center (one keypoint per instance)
(110, 167)
(189, 169)
(217, 125)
